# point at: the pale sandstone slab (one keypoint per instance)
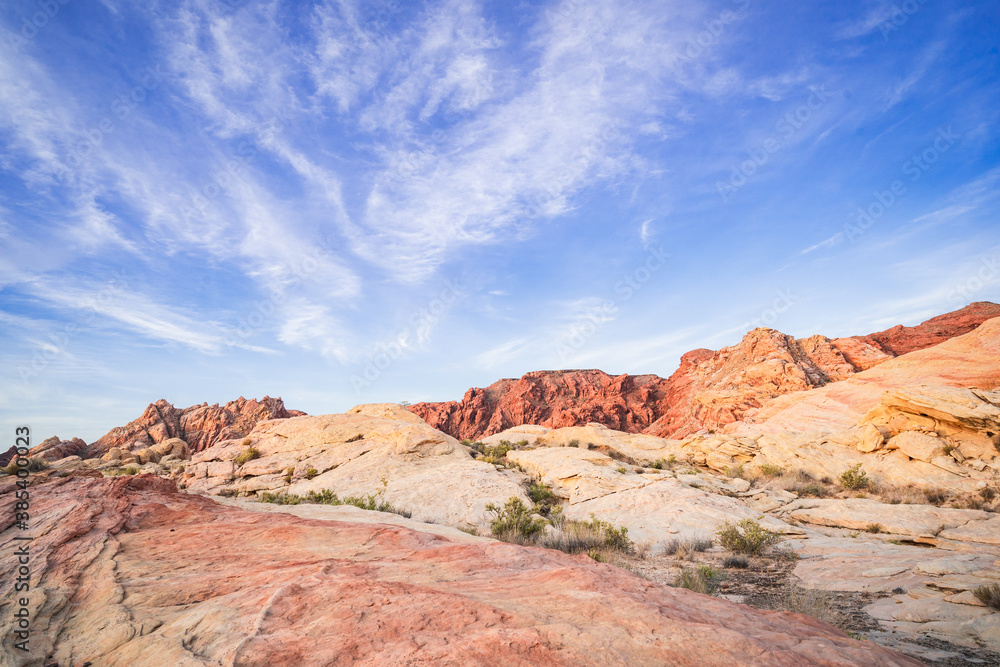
(658, 512)
(987, 532)
(369, 449)
(858, 513)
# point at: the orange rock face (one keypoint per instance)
(200, 426)
(708, 391)
(127, 571)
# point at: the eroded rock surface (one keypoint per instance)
(199, 425)
(129, 572)
(369, 449)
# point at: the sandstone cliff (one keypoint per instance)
(709, 390)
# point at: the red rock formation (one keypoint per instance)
(201, 426)
(708, 390)
(126, 571)
(54, 449)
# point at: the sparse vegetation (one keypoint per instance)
(813, 490)
(35, 464)
(746, 537)
(736, 562)
(875, 528)
(245, 443)
(815, 603)
(686, 548)
(496, 454)
(854, 478)
(471, 530)
(621, 469)
(373, 501)
(948, 449)
(989, 595)
(247, 455)
(311, 472)
(770, 470)
(574, 443)
(288, 474)
(514, 521)
(664, 463)
(702, 579)
(734, 471)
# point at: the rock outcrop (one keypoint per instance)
(200, 426)
(709, 390)
(371, 449)
(128, 571)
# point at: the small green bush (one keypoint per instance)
(311, 472)
(288, 474)
(811, 489)
(746, 537)
(989, 595)
(514, 520)
(702, 579)
(621, 469)
(574, 443)
(874, 528)
(471, 530)
(131, 470)
(770, 470)
(539, 493)
(854, 478)
(247, 455)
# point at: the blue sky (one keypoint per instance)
(342, 202)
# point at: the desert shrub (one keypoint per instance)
(247, 455)
(854, 478)
(514, 520)
(971, 502)
(905, 495)
(736, 562)
(615, 539)
(936, 497)
(574, 443)
(948, 449)
(471, 530)
(621, 469)
(812, 489)
(734, 471)
(702, 579)
(987, 493)
(288, 474)
(279, 498)
(311, 472)
(686, 547)
(874, 528)
(746, 537)
(664, 463)
(245, 443)
(355, 438)
(35, 464)
(131, 470)
(989, 595)
(539, 493)
(372, 501)
(770, 470)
